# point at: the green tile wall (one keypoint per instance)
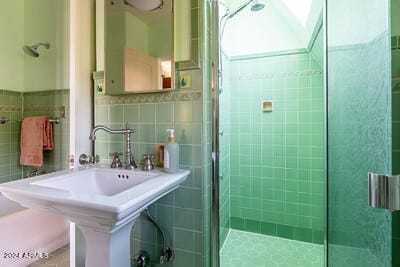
(17, 105)
(277, 158)
(10, 108)
(49, 103)
(180, 212)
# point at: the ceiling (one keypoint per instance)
(281, 25)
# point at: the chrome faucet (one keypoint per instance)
(130, 163)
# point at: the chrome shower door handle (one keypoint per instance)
(384, 191)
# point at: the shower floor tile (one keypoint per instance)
(249, 249)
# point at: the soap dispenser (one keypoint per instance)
(171, 154)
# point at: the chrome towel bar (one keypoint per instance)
(3, 120)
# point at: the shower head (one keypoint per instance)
(32, 49)
(256, 6)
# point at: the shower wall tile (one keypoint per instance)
(15, 106)
(276, 158)
(10, 108)
(49, 103)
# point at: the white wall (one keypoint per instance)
(82, 64)
(12, 39)
(27, 22)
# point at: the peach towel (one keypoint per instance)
(36, 136)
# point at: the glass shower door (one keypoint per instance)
(359, 130)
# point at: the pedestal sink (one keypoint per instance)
(104, 203)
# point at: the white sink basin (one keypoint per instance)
(103, 202)
(105, 182)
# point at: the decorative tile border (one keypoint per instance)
(46, 109)
(176, 96)
(10, 108)
(47, 92)
(10, 93)
(279, 75)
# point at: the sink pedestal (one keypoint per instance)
(108, 246)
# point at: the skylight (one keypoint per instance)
(300, 9)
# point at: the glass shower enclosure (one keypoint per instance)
(297, 128)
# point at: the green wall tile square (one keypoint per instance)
(318, 237)
(183, 112)
(184, 239)
(147, 133)
(186, 154)
(147, 113)
(116, 114)
(285, 231)
(268, 228)
(183, 133)
(304, 222)
(184, 258)
(303, 234)
(237, 223)
(164, 113)
(252, 226)
(188, 198)
(101, 115)
(304, 187)
(304, 210)
(131, 113)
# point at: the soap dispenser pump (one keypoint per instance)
(171, 154)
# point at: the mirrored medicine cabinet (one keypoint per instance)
(140, 49)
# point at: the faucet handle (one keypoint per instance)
(86, 159)
(148, 163)
(116, 162)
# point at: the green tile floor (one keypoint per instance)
(255, 250)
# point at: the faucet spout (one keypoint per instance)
(92, 135)
(129, 161)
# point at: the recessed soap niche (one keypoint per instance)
(266, 106)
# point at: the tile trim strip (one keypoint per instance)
(149, 98)
(45, 109)
(10, 108)
(279, 75)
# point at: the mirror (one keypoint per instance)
(138, 45)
